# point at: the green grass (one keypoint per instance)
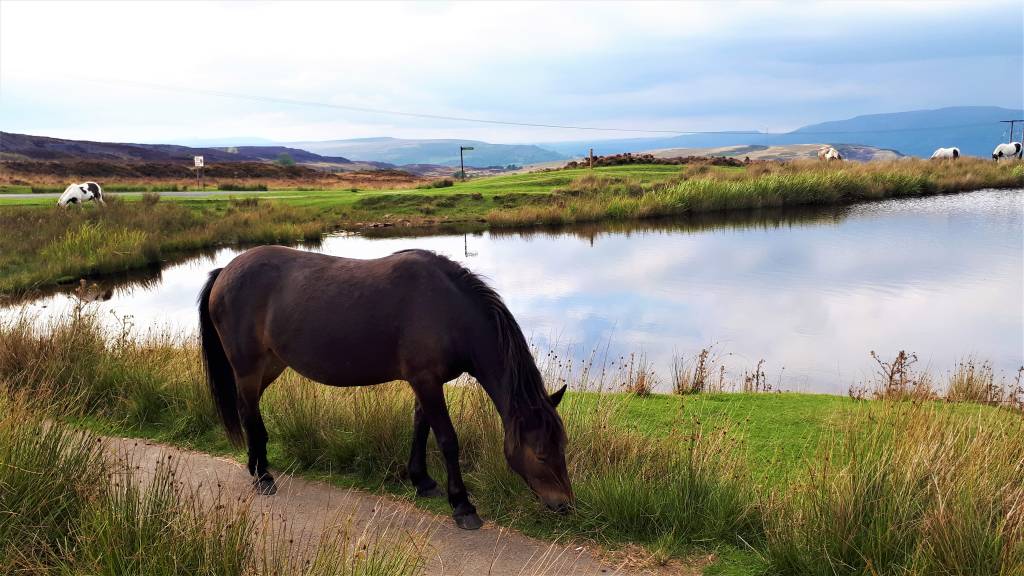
(66, 507)
(41, 245)
(771, 483)
(44, 247)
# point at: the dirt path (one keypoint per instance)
(309, 508)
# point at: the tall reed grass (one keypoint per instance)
(41, 247)
(900, 487)
(68, 507)
(920, 490)
(765, 185)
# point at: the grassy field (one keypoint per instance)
(42, 246)
(769, 483)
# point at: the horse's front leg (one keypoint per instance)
(426, 487)
(435, 410)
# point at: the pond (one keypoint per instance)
(810, 292)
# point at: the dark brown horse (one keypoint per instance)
(412, 316)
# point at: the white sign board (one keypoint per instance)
(199, 161)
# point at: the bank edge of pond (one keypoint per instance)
(41, 249)
(681, 480)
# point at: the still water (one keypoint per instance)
(812, 293)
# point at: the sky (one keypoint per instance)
(152, 71)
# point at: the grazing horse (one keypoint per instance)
(941, 153)
(828, 153)
(413, 316)
(80, 193)
(1008, 150)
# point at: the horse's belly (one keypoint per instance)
(341, 361)
(344, 371)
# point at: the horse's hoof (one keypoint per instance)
(265, 486)
(432, 492)
(469, 521)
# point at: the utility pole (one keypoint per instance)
(462, 164)
(591, 158)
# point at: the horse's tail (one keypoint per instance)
(219, 375)
(956, 152)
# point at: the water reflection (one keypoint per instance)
(812, 292)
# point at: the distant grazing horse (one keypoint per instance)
(1008, 150)
(412, 316)
(81, 193)
(941, 153)
(828, 153)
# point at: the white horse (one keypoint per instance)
(81, 193)
(828, 153)
(953, 153)
(1008, 150)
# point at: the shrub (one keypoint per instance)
(441, 183)
(241, 186)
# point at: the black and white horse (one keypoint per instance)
(1008, 150)
(828, 153)
(81, 193)
(953, 153)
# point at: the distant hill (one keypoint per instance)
(444, 152)
(974, 129)
(30, 147)
(224, 142)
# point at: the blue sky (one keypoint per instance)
(64, 68)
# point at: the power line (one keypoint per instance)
(315, 104)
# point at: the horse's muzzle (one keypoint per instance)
(561, 507)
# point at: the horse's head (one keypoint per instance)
(535, 449)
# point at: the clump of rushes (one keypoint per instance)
(920, 491)
(67, 508)
(48, 476)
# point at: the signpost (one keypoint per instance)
(198, 161)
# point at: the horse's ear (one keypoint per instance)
(557, 396)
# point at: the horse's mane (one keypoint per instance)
(524, 390)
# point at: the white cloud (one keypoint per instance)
(647, 65)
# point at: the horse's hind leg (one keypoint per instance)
(250, 390)
(426, 487)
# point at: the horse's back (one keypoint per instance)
(344, 321)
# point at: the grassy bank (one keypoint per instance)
(46, 246)
(772, 483)
(67, 508)
(769, 185)
(42, 245)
